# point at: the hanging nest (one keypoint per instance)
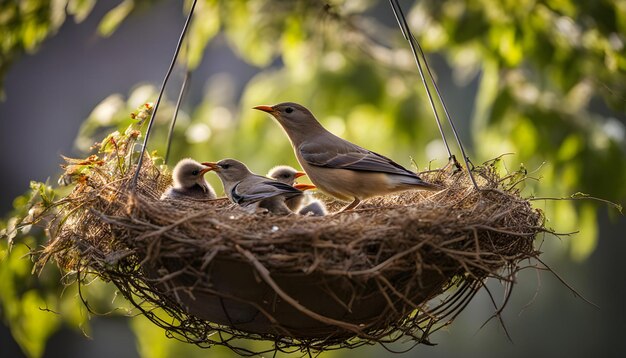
(399, 266)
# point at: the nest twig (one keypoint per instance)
(399, 266)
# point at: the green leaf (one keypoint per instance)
(32, 329)
(586, 241)
(565, 217)
(570, 148)
(204, 26)
(30, 325)
(80, 8)
(114, 18)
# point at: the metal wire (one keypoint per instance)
(158, 101)
(170, 133)
(405, 32)
(417, 52)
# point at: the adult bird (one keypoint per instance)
(288, 175)
(250, 190)
(337, 167)
(188, 181)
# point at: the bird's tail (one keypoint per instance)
(415, 182)
(430, 186)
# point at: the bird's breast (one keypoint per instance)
(347, 185)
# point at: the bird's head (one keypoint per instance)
(188, 173)
(297, 121)
(285, 174)
(229, 170)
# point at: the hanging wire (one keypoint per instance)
(181, 94)
(417, 52)
(404, 27)
(158, 101)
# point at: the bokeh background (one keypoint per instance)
(545, 80)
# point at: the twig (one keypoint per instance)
(580, 196)
(566, 284)
(265, 275)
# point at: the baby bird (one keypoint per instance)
(250, 190)
(288, 175)
(188, 182)
(314, 207)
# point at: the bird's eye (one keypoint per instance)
(195, 172)
(225, 166)
(288, 109)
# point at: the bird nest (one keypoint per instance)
(399, 266)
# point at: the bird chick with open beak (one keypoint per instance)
(337, 167)
(250, 190)
(288, 175)
(188, 181)
(313, 207)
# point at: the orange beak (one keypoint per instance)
(304, 187)
(267, 109)
(211, 166)
(205, 170)
(299, 174)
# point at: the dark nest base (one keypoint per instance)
(399, 266)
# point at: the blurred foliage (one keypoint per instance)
(552, 86)
(36, 301)
(25, 24)
(551, 79)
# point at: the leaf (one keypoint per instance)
(80, 8)
(57, 13)
(565, 217)
(203, 28)
(586, 241)
(114, 17)
(570, 148)
(152, 341)
(35, 325)
(20, 305)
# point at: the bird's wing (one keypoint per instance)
(350, 156)
(261, 190)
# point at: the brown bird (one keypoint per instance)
(337, 167)
(288, 175)
(188, 181)
(250, 190)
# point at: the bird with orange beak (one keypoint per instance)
(252, 191)
(302, 205)
(337, 167)
(188, 181)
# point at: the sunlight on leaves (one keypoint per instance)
(586, 241)
(30, 324)
(35, 325)
(80, 8)
(204, 26)
(114, 17)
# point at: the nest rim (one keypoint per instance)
(120, 211)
